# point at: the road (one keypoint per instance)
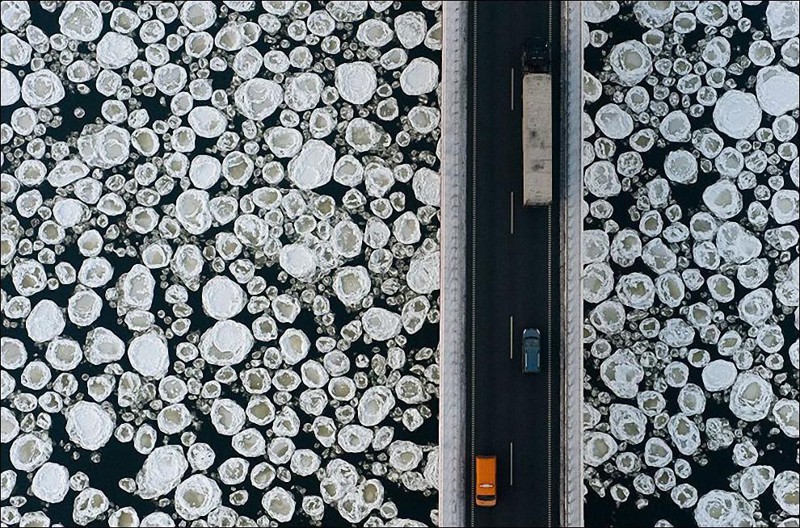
(513, 273)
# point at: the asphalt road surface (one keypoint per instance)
(513, 260)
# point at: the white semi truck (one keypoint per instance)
(537, 125)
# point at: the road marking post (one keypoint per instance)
(512, 89)
(511, 464)
(512, 212)
(511, 337)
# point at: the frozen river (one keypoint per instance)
(691, 263)
(220, 263)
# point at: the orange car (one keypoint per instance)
(485, 480)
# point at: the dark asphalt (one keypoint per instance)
(510, 279)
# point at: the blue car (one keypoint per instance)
(531, 350)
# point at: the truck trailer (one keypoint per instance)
(537, 124)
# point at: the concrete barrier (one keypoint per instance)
(571, 268)
(453, 236)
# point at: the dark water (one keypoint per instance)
(117, 460)
(778, 451)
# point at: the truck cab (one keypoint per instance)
(536, 56)
(485, 480)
